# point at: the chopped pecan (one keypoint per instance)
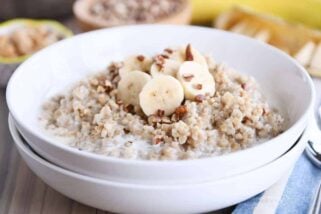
(159, 61)
(160, 113)
(199, 98)
(114, 67)
(140, 58)
(243, 85)
(265, 111)
(188, 53)
(157, 140)
(108, 86)
(246, 120)
(198, 86)
(129, 108)
(180, 112)
(165, 56)
(168, 50)
(188, 77)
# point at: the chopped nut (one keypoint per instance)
(129, 108)
(246, 120)
(170, 51)
(157, 140)
(188, 53)
(244, 86)
(159, 61)
(188, 77)
(265, 111)
(165, 56)
(108, 85)
(180, 111)
(199, 98)
(160, 113)
(198, 86)
(114, 67)
(140, 58)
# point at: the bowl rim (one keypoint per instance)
(98, 157)
(20, 143)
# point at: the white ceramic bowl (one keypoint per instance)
(138, 198)
(284, 82)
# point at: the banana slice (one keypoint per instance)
(170, 67)
(239, 27)
(196, 80)
(191, 54)
(137, 62)
(130, 85)
(316, 59)
(263, 36)
(244, 28)
(163, 93)
(304, 55)
(176, 54)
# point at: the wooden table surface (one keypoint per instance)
(22, 192)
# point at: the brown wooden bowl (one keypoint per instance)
(87, 22)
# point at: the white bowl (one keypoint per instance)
(138, 198)
(284, 82)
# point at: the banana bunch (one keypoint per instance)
(163, 83)
(302, 11)
(302, 43)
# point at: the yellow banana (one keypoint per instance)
(304, 44)
(303, 11)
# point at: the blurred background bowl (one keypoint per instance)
(88, 22)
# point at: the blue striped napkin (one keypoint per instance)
(292, 194)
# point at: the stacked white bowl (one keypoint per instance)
(138, 186)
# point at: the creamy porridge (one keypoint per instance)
(176, 105)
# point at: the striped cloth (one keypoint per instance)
(295, 192)
(292, 194)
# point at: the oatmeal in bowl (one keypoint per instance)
(157, 110)
(178, 104)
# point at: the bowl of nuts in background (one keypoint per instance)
(20, 38)
(95, 14)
